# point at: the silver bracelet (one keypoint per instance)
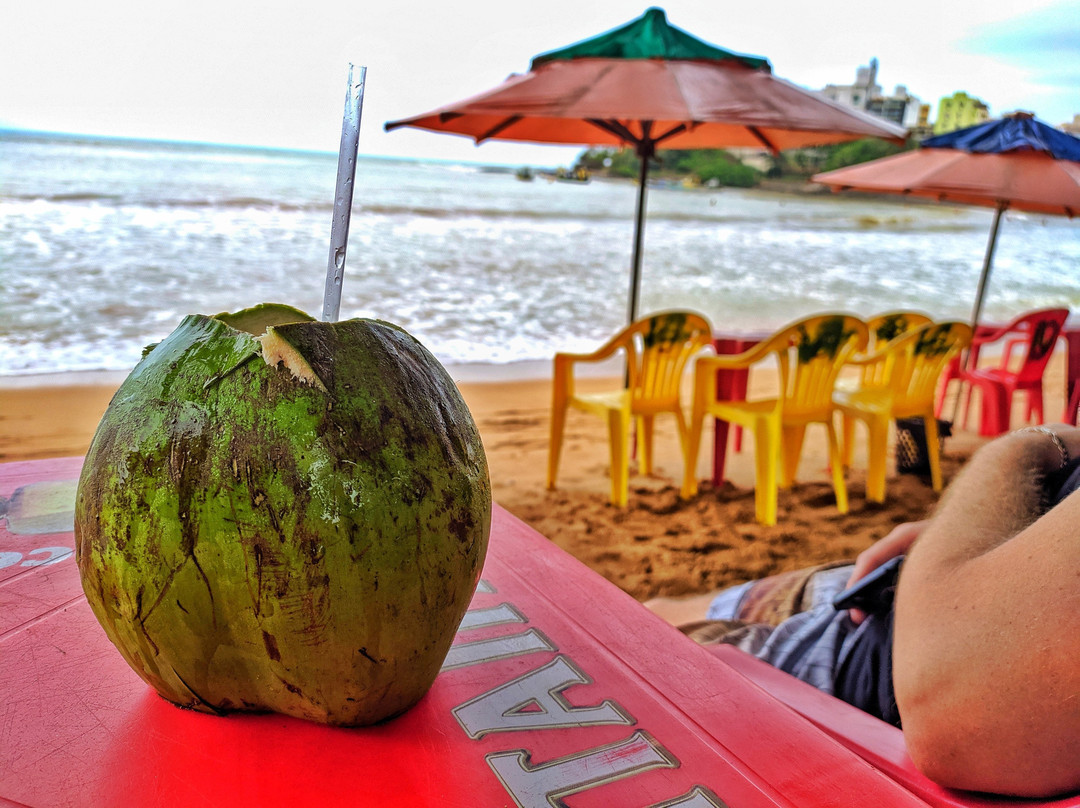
(1059, 444)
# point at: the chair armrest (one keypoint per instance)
(995, 335)
(751, 356)
(864, 360)
(605, 351)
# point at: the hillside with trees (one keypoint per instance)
(718, 167)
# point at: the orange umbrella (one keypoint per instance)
(1028, 180)
(652, 86)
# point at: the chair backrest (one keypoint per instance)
(1037, 333)
(810, 354)
(913, 363)
(884, 328)
(658, 348)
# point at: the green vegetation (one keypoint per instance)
(712, 166)
(717, 167)
(859, 151)
(610, 162)
(702, 166)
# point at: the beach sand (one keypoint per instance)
(658, 545)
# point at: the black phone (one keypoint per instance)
(875, 591)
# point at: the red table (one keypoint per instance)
(560, 690)
(730, 386)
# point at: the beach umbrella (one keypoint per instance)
(649, 85)
(1013, 163)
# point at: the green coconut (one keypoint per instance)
(278, 514)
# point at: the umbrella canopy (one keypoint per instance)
(649, 85)
(1017, 162)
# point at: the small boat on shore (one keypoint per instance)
(562, 175)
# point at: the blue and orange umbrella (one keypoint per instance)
(1014, 163)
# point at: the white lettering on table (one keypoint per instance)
(493, 616)
(544, 785)
(472, 653)
(52, 555)
(534, 701)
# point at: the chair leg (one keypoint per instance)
(942, 392)
(645, 444)
(966, 406)
(702, 390)
(1069, 416)
(1034, 405)
(791, 450)
(767, 455)
(839, 486)
(684, 438)
(558, 425)
(693, 444)
(933, 451)
(877, 446)
(619, 438)
(847, 447)
(996, 406)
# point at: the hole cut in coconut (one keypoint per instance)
(278, 351)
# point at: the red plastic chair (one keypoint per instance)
(1029, 342)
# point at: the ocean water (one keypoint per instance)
(106, 245)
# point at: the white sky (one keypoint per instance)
(272, 73)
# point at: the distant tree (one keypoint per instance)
(716, 166)
(613, 162)
(802, 162)
(594, 159)
(705, 165)
(859, 151)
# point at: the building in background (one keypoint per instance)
(958, 111)
(922, 128)
(1072, 128)
(901, 107)
(865, 93)
(856, 95)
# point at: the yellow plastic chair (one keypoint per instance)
(904, 376)
(809, 355)
(883, 329)
(657, 349)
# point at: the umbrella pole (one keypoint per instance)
(976, 312)
(346, 172)
(645, 152)
(988, 262)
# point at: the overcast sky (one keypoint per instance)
(268, 73)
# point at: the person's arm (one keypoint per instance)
(986, 653)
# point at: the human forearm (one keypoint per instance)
(998, 494)
(986, 628)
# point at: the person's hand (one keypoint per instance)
(897, 542)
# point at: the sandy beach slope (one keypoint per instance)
(659, 545)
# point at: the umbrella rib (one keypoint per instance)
(499, 127)
(675, 130)
(753, 130)
(616, 128)
(620, 130)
